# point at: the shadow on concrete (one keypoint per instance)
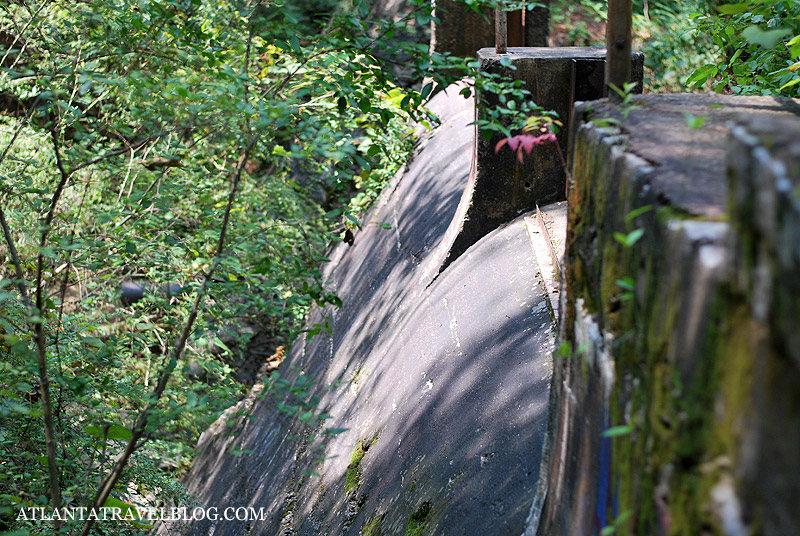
(452, 378)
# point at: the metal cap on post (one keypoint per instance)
(500, 31)
(618, 45)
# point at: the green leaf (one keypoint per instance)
(630, 239)
(119, 433)
(93, 342)
(353, 219)
(85, 87)
(732, 9)
(112, 502)
(633, 214)
(634, 236)
(616, 431)
(764, 38)
(627, 283)
(427, 90)
(794, 46)
(694, 122)
(115, 432)
(702, 74)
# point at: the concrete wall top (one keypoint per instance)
(687, 166)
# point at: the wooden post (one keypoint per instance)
(500, 31)
(618, 45)
(515, 23)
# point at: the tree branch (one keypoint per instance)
(108, 483)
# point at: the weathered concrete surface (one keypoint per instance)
(548, 230)
(500, 188)
(461, 31)
(764, 175)
(444, 382)
(696, 363)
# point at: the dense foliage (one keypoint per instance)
(663, 30)
(206, 152)
(757, 46)
(209, 152)
(744, 48)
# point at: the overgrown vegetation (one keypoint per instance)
(211, 146)
(215, 149)
(756, 46)
(747, 48)
(662, 30)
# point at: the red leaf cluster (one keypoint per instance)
(524, 142)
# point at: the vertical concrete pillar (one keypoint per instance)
(500, 187)
(462, 32)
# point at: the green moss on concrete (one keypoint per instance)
(611, 273)
(686, 437)
(418, 520)
(689, 441)
(736, 378)
(353, 477)
(667, 468)
(373, 526)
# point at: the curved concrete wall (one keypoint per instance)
(441, 384)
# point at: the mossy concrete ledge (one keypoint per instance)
(676, 401)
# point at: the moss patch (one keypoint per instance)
(373, 526)
(353, 478)
(418, 520)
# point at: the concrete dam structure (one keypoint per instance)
(441, 379)
(665, 400)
